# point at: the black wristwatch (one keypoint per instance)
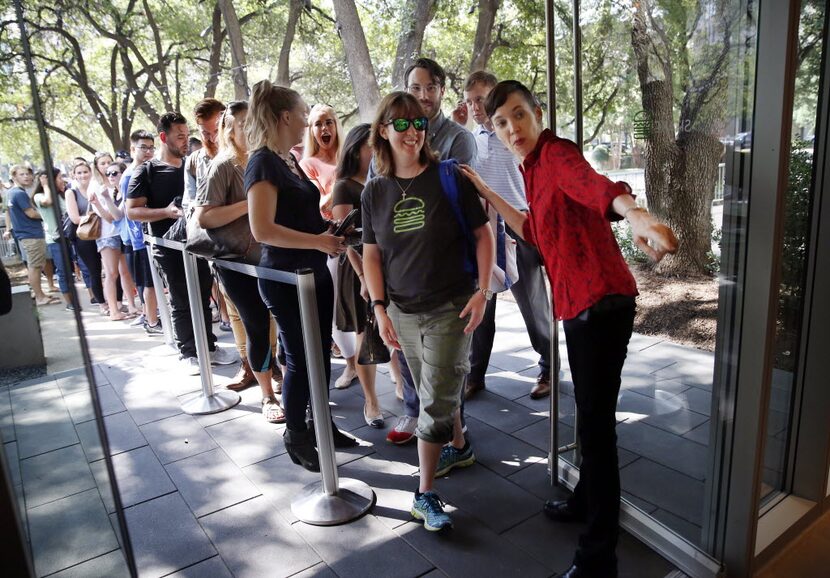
(372, 304)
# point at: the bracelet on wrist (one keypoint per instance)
(376, 302)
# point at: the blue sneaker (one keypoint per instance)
(453, 458)
(429, 508)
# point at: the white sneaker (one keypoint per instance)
(222, 356)
(191, 365)
(404, 430)
(346, 378)
(139, 321)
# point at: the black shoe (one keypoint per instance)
(563, 511)
(300, 447)
(341, 440)
(578, 571)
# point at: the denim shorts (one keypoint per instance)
(438, 354)
(108, 243)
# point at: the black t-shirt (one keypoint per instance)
(420, 239)
(159, 183)
(347, 192)
(298, 208)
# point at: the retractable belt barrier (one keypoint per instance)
(332, 500)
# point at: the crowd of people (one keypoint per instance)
(446, 217)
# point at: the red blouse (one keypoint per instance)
(569, 222)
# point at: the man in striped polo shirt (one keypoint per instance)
(500, 170)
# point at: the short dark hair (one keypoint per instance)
(502, 91)
(435, 71)
(168, 119)
(207, 108)
(480, 77)
(349, 162)
(141, 134)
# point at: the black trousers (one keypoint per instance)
(172, 266)
(283, 302)
(597, 343)
(244, 292)
(87, 252)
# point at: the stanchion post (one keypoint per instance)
(164, 307)
(331, 501)
(553, 456)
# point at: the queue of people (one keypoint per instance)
(447, 217)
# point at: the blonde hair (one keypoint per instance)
(268, 102)
(395, 105)
(311, 146)
(228, 148)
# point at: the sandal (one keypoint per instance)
(272, 411)
(48, 301)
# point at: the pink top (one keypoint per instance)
(321, 174)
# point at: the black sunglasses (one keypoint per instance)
(402, 124)
(113, 173)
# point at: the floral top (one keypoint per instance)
(569, 222)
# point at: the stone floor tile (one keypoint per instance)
(210, 481)
(177, 437)
(651, 386)
(74, 382)
(538, 434)
(500, 452)
(166, 537)
(500, 413)
(347, 408)
(104, 566)
(394, 484)
(671, 450)
(508, 384)
(547, 542)
(122, 433)
(249, 439)
(140, 476)
(536, 480)
(700, 434)
(146, 401)
(364, 547)
(636, 560)
(6, 420)
(279, 480)
(665, 413)
(54, 475)
(102, 480)
(210, 568)
(254, 540)
(638, 503)
(407, 454)
(692, 532)
(80, 404)
(41, 421)
(665, 488)
(230, 414)
(391, 406)
(490, 553)
(13, 462)
(69, 531)
(514, 360)
(320, 570)
(696, 399)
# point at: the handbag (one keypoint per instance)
(373, 350)
(70, 229)
(89, 227)
(231, 241)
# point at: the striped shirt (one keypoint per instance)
(499, 168)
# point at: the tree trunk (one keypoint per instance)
(215, 58)
(238, 61)
(483, 44)
(364, 82)
(283, 73)
(417, 14)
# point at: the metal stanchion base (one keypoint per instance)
(219, 401)
(314, 506)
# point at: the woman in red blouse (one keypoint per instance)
(570, 209)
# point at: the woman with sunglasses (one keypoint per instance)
(425, 302)
(284, 213)
(109, 205)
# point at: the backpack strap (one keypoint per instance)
(448, 171)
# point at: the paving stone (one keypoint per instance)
(538, 434)
(652, 386)
(210, 568)
(347, 408)
(140, 476)
(536, 480)
(102, 481)
(54, 475)
(665, 413)
(494, 556)
(69, 531)
(210, 419)
(210, 481)
(177, 437)
(394, 484)
(638, 503)
(41, 421)
(515, 360)
(249, 439)
(6, 420)
(500, 413)
(700, 434)
(254, 540)
(508, 384)
(692, 532)
(692, 366)
(166, 537)
(105, 566)
(74, 382)
(364, 547)
(122, 433)
(279, 479)
(80, 404)
(663, 447)
(146, 401)
(13, 462)
(547, 542)
(320, 570)
(665, 488)
(499, 451)
(636, 560)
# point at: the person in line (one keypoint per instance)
(77, 205)
(100, 162)
(321, 150)
(570, 209)
(426, 80)
(500, 170)
(284, 213)
(222, 207)
(351, 293)
(54, 244)
(425, 302)
(107, 203)
(155, 191)
(142, 147)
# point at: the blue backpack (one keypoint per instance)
(448, 171)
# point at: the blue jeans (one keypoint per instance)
(56, 254)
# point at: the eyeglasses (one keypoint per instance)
(113, 173)
(402, 124)
(145, 147)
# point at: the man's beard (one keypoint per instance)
(211, 148)
(176, 151)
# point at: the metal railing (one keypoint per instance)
(332, 500)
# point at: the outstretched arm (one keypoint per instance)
(514, 218)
